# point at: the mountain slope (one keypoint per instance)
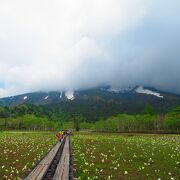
(99, 102)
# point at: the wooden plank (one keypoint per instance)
(38, 172)
(62, 170)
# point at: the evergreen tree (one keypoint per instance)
(148, 109)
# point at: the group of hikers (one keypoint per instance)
(61, 134)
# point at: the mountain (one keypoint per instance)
(99, 102)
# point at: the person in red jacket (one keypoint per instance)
(59, 137)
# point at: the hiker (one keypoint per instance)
(62, 133)
(59, 137)
(65, 132)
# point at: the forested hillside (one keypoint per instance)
(97, 103)
(31, 117)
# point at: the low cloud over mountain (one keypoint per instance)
(69, 45)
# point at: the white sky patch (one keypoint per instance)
(141, 90)
(46, 97)
(25, 97)
(69, 95)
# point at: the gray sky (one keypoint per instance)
(69, 45)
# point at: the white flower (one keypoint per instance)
(125, 172)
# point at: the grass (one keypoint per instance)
(114, 156)
(19, 151)
(98, 156)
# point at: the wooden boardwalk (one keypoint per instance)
(62, 169)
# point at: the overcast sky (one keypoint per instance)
(76, 44)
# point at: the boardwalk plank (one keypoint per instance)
(39, 171)
(62, 170)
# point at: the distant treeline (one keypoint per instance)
(31, 117)
(149, 122)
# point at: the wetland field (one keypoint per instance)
(97, 155)
(117, 156)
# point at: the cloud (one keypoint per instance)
(69, 45)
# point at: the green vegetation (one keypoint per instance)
(172, 119)
(31, 117)
(139, 123)
(28, 122)
(147, 123)
(114, 156)
(109, 156)
(149, 110)
(19, 151)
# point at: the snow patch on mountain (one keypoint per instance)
(69, 95)
(25, 97)
(141, 90)
(46, 97)
(60, 95)
(120, 90)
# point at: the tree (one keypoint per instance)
(4, 112)
(76, 120)
(172, 119)
(148, 109)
